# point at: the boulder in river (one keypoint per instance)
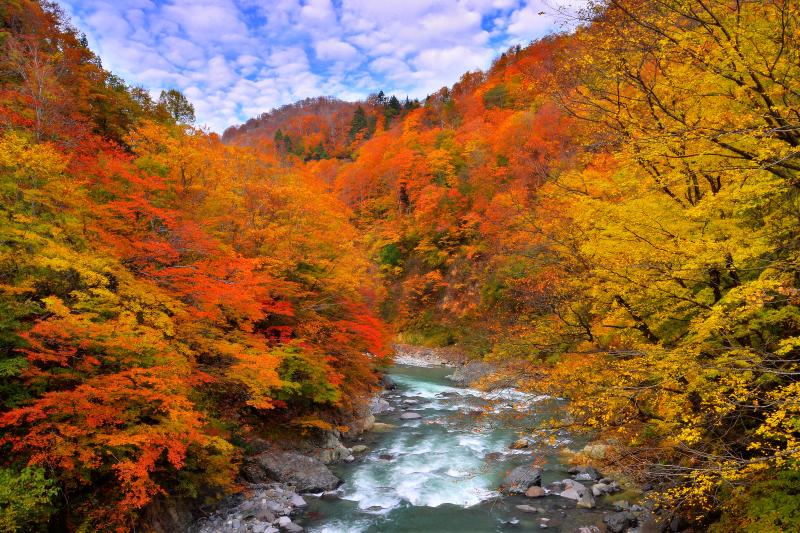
(408, 415)
(521, 479)
(622, 505)
(529, 509)
(520, 444)
(305, 473)
(535, 492)
(358, 448)
(585, 473)
(379, 406)
(573, 490)
(598, 489)
(586, 500)
(619, 522)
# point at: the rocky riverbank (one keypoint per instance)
(281, 484)
(260, 508)
(276, 479)
(584, 488)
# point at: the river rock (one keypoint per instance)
(598, 489)
(291, 527)
(256, 510)
(589, 529)
(379, 406)
(595, 451)
(305, 473)
(386, 457)
(520, 444)
(265, 515)
(585, 473)
(573, 490)
(521, 479)
(382, 426)
(678, 524)
(275, 507)
(331, 449)
(408, 415)
(529, 509)
(388, 383)
(619, 522)
(586, 500)
(358, 448)
(535, 492)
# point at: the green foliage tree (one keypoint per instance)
(177, 106)
(26, 499)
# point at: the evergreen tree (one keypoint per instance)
(358, 123)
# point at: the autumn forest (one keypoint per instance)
(610, 215)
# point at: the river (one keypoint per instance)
(439, 473)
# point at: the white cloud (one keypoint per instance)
(238, 58)
(334, 49)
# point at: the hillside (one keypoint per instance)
(611, 213)
(165, 298)
(616, 209)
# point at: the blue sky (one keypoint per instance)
(238, 58)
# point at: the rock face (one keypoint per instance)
(331, 449)
(304, 473)
(421, 356)
(408, 415)
(162, 516)
(619, 522)
(471, 372)
(519, 480)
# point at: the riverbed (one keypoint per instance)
(440, 472)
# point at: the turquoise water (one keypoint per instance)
(440, 473)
